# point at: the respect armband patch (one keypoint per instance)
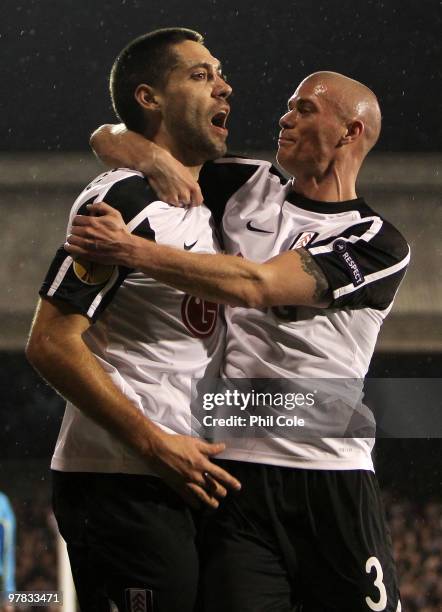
(342, 249)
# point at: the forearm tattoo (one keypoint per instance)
(322, 290)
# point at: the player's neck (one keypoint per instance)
(174, 150)
(336, 184)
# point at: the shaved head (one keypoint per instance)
(331, 124)
(351, 100)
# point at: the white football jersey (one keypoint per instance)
(364, 259)
(150, 339)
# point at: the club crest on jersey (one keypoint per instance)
(91, 273)
(139, 600)
(303, 239)
(199, 316)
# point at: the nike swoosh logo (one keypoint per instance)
(187, 247)
(257, 229)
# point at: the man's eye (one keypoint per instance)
(199, 76)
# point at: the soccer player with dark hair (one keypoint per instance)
(318, 273)
(122, 349)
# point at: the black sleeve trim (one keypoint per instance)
(219, 181)
(130, 196)
(364, 273)
(90, 287)
(79, 283)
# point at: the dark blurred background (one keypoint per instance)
(56, 58)
(57, 55)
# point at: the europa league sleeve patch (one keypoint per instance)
(91, 273)
(88, 287)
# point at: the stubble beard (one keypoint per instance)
(196, 145)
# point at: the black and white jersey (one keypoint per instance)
(364, 259)
(149, 338)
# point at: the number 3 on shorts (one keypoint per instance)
(382, 603)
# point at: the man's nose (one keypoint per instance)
(222, 89)
(287, 121)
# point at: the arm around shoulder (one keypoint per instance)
(117, 146)
(291, 278)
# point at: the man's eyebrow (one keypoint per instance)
(299, 102)
(217, 67)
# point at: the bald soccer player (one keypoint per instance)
(317, 276)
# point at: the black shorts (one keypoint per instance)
(292, 539)
(131, 541)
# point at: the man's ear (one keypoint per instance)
(146, 97)
(355, 129)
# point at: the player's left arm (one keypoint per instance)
(292, 278)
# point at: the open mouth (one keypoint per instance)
(219, 120)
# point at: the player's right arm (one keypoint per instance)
(117, 147)
(58, 352)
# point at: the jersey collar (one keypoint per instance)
(325, 207)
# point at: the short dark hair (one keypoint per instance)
(146, 59)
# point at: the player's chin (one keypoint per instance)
(221, 148)
(284, 160)
(217, 148)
